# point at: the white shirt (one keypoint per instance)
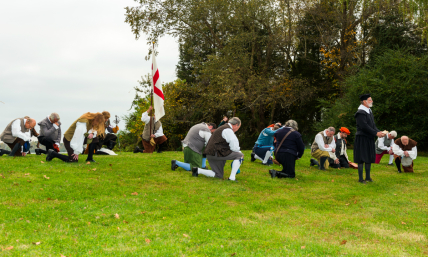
(381, 143)
(319, 140)
(146, 119)
(343, 149)
(16, 130)
(76, 142)
(362, 107)
(55, 126)
(204, 134)
(398, 151)
(231, 138)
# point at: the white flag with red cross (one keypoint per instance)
(158, 97)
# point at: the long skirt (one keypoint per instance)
(364, 149)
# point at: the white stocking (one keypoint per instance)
(257, 157)
(391, 159)
(267, 156)
(208, 173)
(235, 167)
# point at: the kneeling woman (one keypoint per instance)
(289, 148)
(86, 127)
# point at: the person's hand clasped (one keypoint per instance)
(333, 150)
(91, 136)
(336, 161)
(24, 154)
(380, 134)
(390, 152)
(406, 153)
(152, 136)
(326, 146)
(75, 157)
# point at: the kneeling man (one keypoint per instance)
(193, 145)
(223, 146)
(156, 134)
(405, 152)
(384, 146)
(341, 154)
(50, 134)
(323, 148)
(16, 134)
(263, 149)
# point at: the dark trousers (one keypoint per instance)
(18, 141)
(47, 142)
(288, 162)
(106, 141)
(343, 162)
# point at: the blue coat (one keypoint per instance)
(265, 138)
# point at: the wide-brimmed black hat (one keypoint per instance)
(364, 97)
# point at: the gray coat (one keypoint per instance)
(48, 130)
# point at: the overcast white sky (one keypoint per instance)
(72, 57)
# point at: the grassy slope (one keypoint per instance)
(73, 212)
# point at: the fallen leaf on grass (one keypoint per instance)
(110, 165)
(332, 180)
(116, 216)
(233, 254)
(185, 235)
(49, 199)
(63, 255)
(41, 188)
(148, 240)
(124, 221)
(302, 247)
(36, 243)
(347, 204)
(118, 228)
(88, 163)
(355, 201)
(42, 161)
(9, 248)
(404, 223)
(135, 193)
(363, 223)
(28, 221)
(26, 174)
(343, 242)
(94, 169)
(46, 177)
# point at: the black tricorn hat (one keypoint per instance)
(364, 97)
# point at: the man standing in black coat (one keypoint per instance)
(364, 146)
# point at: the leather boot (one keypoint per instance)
(322, 162)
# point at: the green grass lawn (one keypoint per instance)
(135, 205)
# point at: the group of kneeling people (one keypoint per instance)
(91, 129)
(204, 141)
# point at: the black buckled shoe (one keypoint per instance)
(233, 180)
(252, 157)
(1, 152)
(38, 151)
(369, 180)
(173, 165)
(195, 171)
(272, 173)
(362, 181)
(50, 155)
(137, 150)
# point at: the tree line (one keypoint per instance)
(267, 61)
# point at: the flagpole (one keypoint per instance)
(151, 94)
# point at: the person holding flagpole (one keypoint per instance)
(153, 132)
